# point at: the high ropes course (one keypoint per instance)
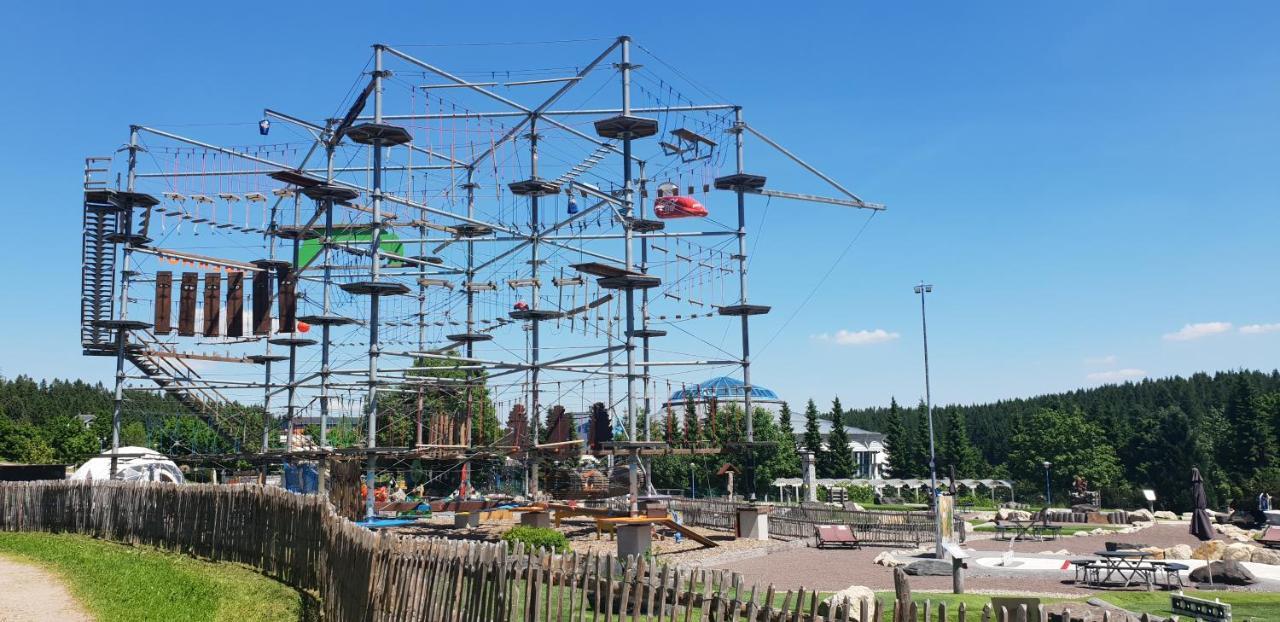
(449, 249)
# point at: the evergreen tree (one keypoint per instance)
(812, 433)
(837, 461)
(1254, 447)
(958, 452)
(920, 444)
(897, 442)
(788, 463)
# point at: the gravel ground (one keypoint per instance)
(836, 569)
(32, 594)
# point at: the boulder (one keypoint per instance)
(929, 568)
(1224, 572)
(1140, 515)
(1165, 515)
(853, 595)
(853, 506)
(887, 559)
(1237, 552)
(1155, 551)
(1011, 514)
(1211, 550)
(1181, 551)
(1265, 556)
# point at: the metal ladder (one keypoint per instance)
(97, 264)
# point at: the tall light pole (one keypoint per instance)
(1048, 493)
(923, 289)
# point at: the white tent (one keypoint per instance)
(134, 464)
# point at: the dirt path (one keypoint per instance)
(29, 593)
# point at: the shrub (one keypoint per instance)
(862, 494)
(537, 538)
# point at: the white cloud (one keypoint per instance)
(858, 338)
(1196, 331)
(1258, 329)
(1109, 359)
(1117, 375)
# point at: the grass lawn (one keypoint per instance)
(1245, 606)
(135, 584)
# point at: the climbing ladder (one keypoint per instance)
(585, 165)
(97, 262)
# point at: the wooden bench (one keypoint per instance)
(836, 535)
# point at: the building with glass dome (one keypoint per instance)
(869, 457)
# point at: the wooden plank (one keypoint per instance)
(212, 304)
(287, 279)
(235, 304)
(164, 303)
(261, 303)
(187, 305)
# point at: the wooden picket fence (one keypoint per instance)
(360, 575)
(888, 528)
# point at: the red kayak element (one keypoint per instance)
(678, 207)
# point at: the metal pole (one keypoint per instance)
(629, 295)
(376, 237)
(923, 289)
(125, 226)
(291, 395)
(535, 293)
(325, 342)
(1048, 491)
(742, 299)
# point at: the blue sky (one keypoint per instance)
(1091, 189)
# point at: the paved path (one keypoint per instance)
(836, 569)
(29, 593)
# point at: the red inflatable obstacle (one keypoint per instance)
(678, 207)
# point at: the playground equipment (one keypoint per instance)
(439, 252)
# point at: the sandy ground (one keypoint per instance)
(583, 538)
(836, 569)
(31, 594)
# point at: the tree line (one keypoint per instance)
(1121, 438)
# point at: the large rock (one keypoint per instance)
(1211, 550)
(1141, 515)
(1181, 551)
(1165, 515)
(1155, 551)
(1224, 572)
(1265, 556)
(853, 595)
(887, 559)
(1237, 552)
(929, 568)
(1011, 514)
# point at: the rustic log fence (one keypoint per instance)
(889, 528)
(360, 575)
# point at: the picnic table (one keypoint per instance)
(1128, 566)
(1034, 529)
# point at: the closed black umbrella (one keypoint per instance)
(1200, 525)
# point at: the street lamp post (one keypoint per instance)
(923, 289)
(1048, 492)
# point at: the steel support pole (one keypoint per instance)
(628, 212)
(291, 395)
(742, 299)
(126, 226)
(535, 229)
(325, 336)
(374, 299)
